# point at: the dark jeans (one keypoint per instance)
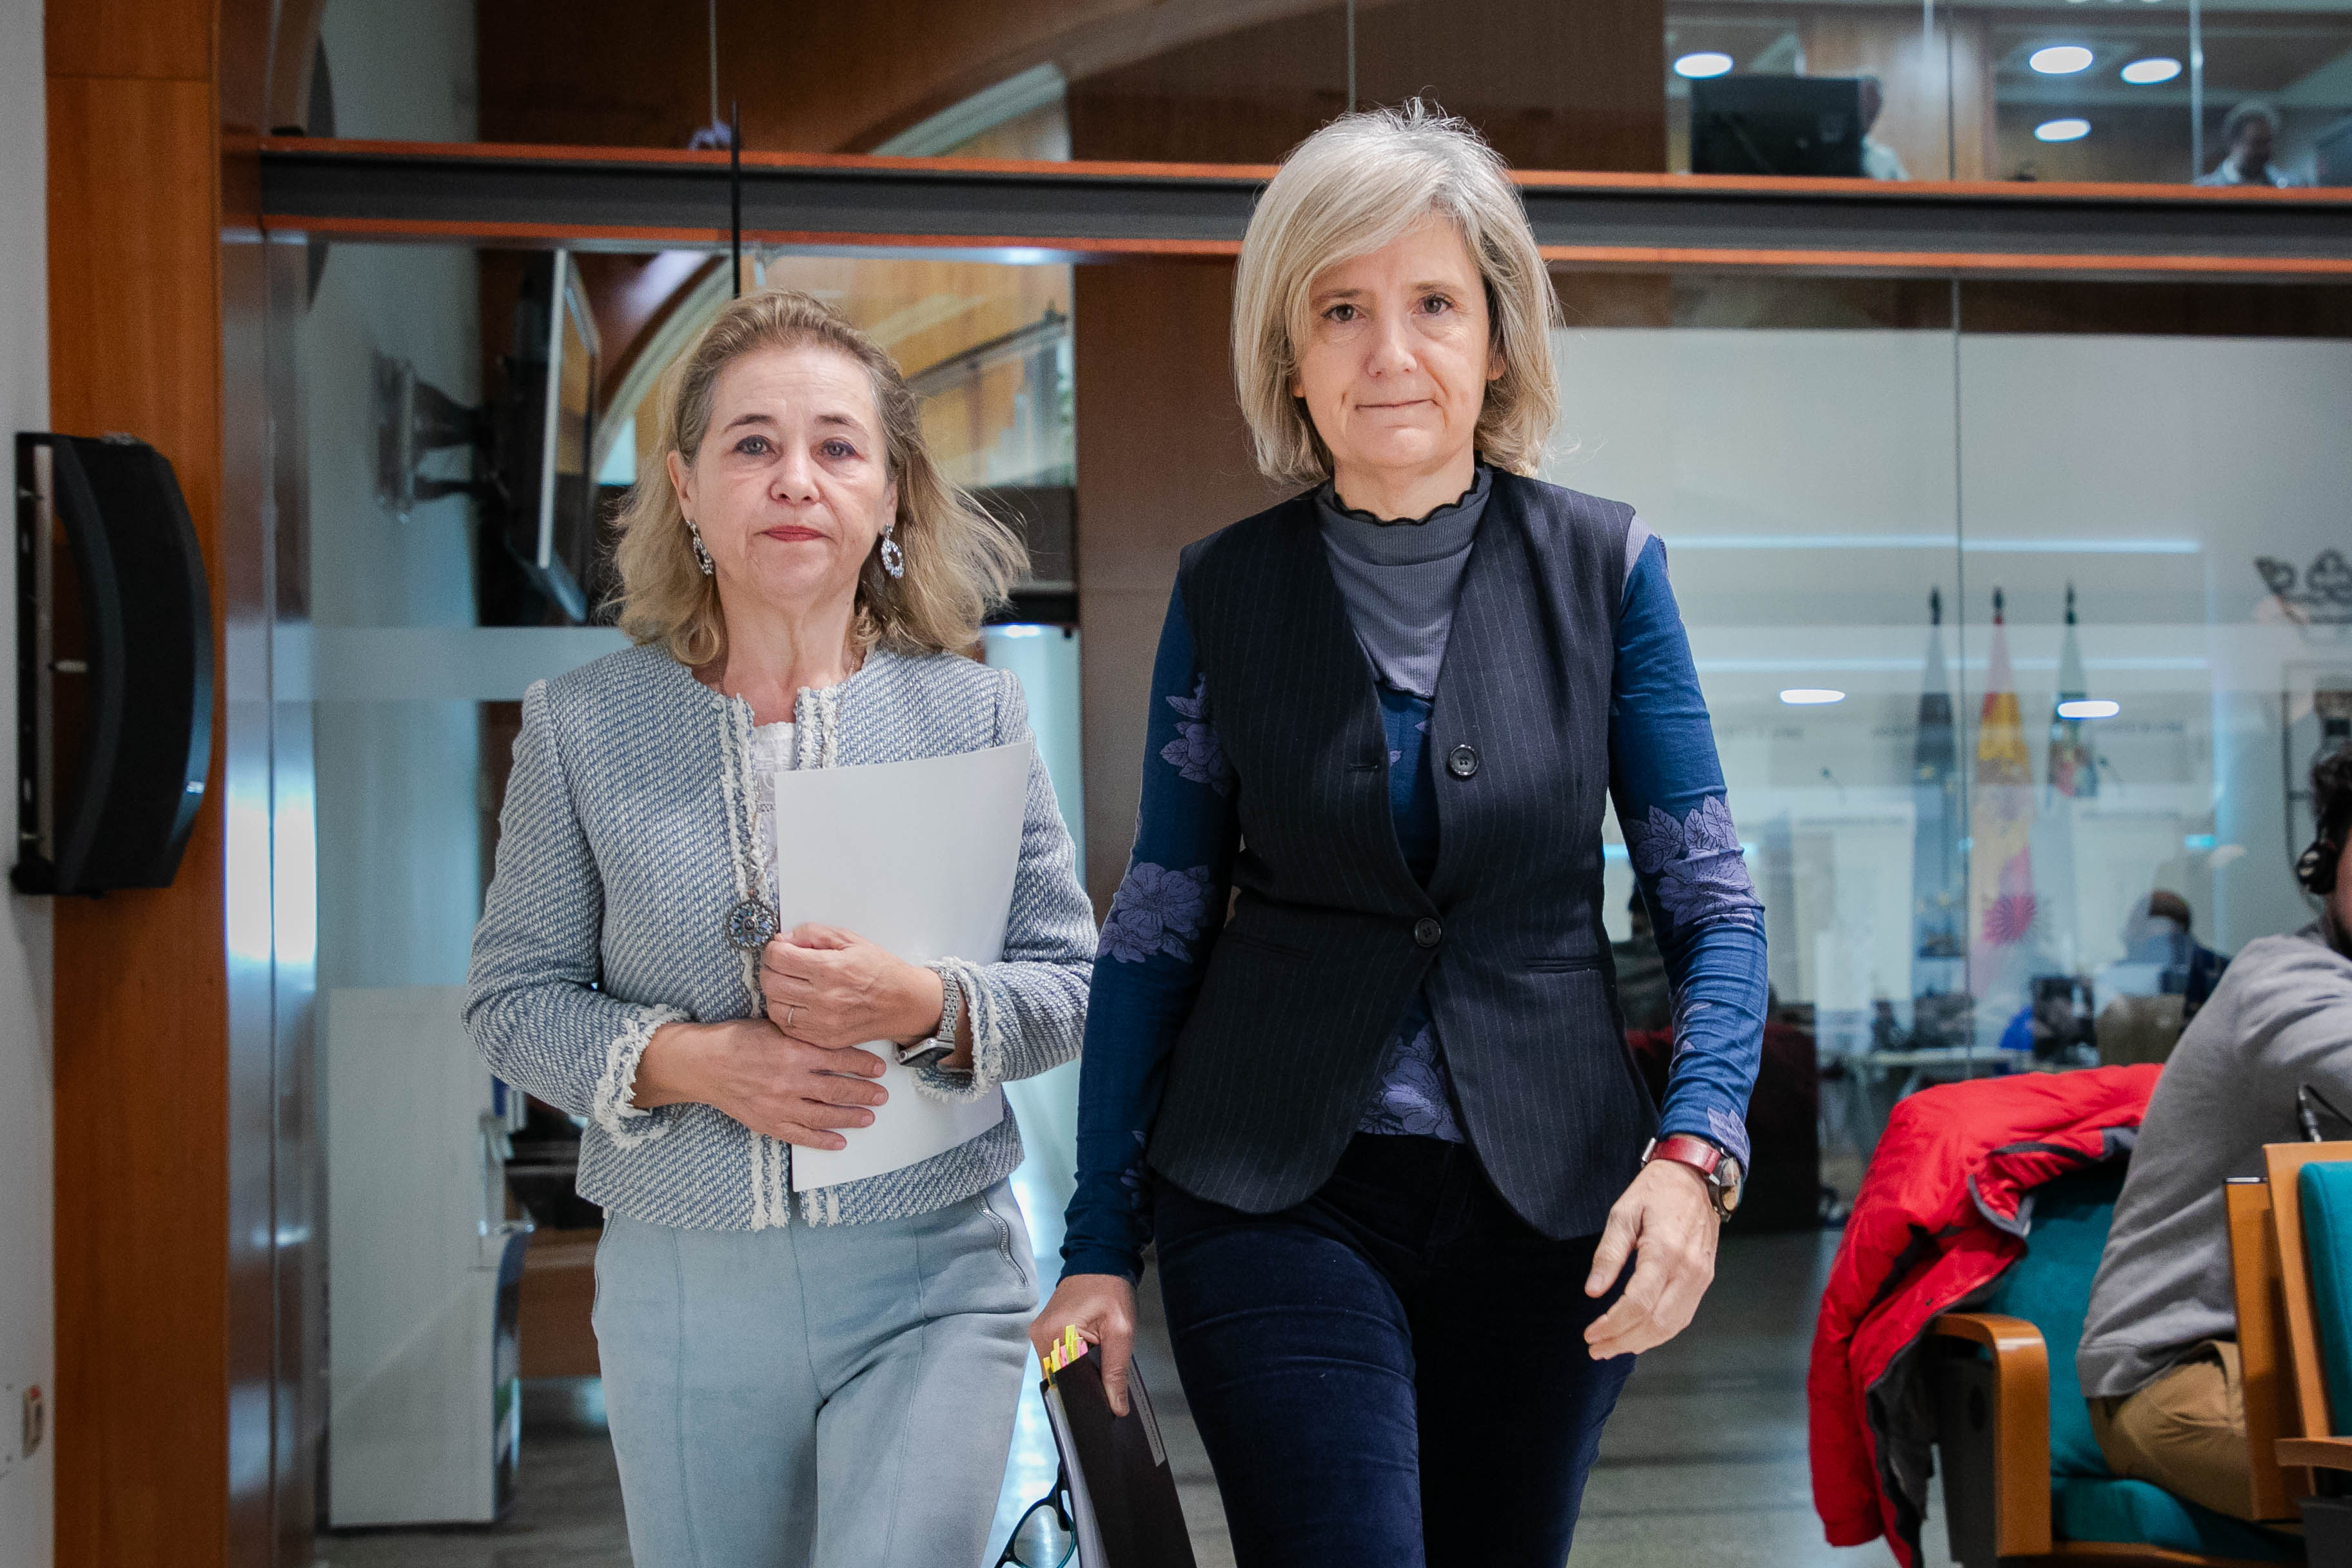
(1391, 1372)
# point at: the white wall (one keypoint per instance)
(26, 1332)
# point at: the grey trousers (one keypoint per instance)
(833, 1394)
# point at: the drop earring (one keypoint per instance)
(701, 551)
(894, 559)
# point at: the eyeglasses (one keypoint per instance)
(1045, 1538)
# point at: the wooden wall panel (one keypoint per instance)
(1551, 86)
(140, 1018)
(133, 184)
(2171, 309)
(1974, 146)
(1221, 81)
(1915, 67)
(1245, 98)
(1163, 458)
(837, 78)
(154, 40)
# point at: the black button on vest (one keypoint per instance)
(1463, 761)
(1427, 931)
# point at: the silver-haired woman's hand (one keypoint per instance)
(1101, 1307)
(1667, 1225)
(770, 1083)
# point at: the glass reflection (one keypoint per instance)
(2150, 90)
(2221, 91)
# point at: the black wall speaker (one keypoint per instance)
(114, 667)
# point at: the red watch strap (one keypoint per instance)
(1685, 1149)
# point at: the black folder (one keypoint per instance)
(1122, 1493)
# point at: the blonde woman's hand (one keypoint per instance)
(1101, 1307)
(832, 988)
(768, 1081)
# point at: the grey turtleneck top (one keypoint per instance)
(1401, 579)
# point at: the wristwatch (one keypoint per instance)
(1719, 1170)
(941, 1043)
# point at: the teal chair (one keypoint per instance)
(2325, 1190)
(2311, 1190)
(2023, 1478)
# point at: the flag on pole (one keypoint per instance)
(2073, 776)
(1936, 907)
(2074, 773)
(2001, 905)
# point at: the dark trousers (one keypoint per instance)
(1394, 1370)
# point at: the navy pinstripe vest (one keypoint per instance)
(1331, 935)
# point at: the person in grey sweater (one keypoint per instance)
(2158, 1357)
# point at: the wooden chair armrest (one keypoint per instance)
(2000, 1336)
(2021, 1420)
(2317, 1453)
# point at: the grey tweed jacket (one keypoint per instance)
(620, 854)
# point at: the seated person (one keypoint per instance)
(2250, 131)
(2158, 1357)
(2162, 956)
(2165, 976)
(2055, 1026)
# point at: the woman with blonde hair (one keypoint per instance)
(1381, 1123)
(832, 1381)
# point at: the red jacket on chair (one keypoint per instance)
(1944, 1210)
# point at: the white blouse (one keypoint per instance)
(771, 750)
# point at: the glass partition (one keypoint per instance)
(441, 546)
(2186, 498)
(2132, 90)
(1792, 445)
(2020, 610)
(2019, 645)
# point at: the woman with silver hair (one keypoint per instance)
(1381, 1123)
(831, 1381)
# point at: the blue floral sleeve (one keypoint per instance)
(1149, 965)
(1686, 851)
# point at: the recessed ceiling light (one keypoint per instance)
(2062, 131)
(1705, 63)
(1810, 696)
(2148, 72)
(2060, 60)
(2089, 708)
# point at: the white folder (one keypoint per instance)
(918, 857)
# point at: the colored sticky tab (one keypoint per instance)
(1067, 1349)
